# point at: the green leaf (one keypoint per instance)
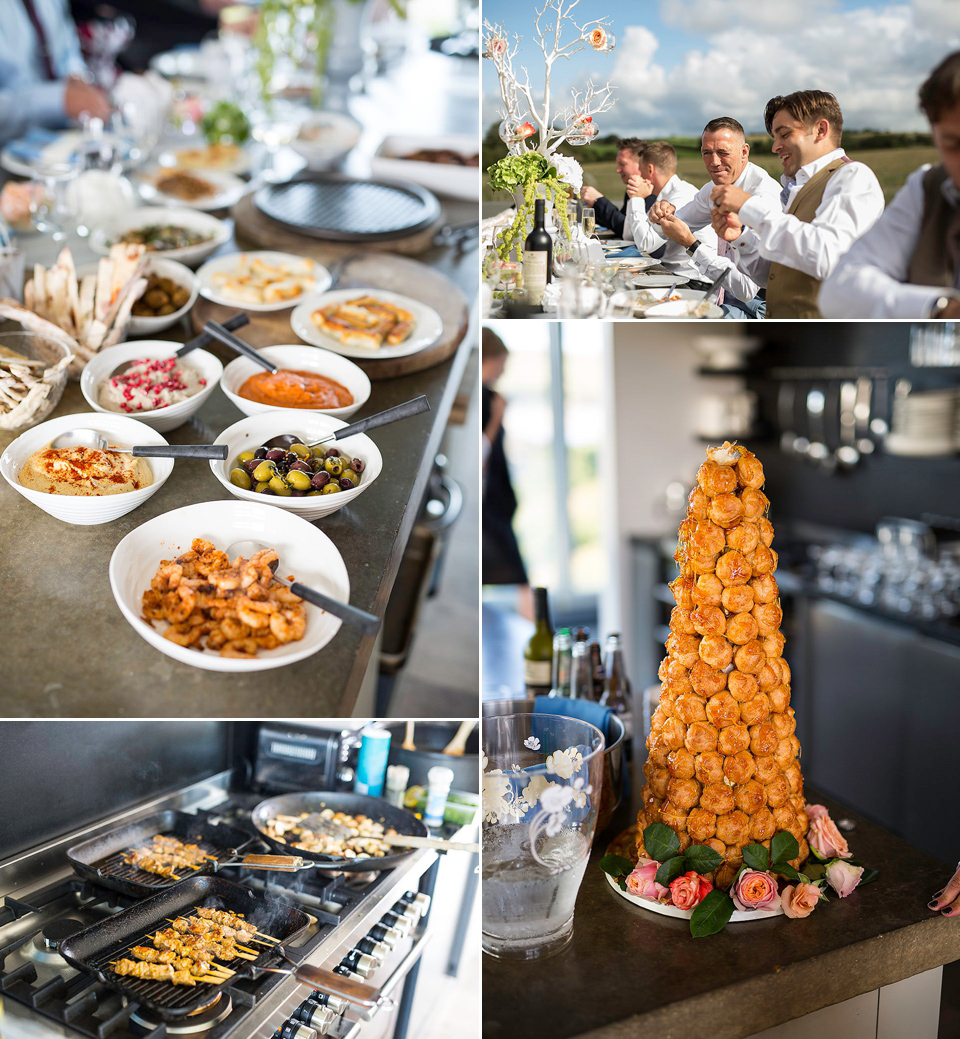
(783, 847)
(756, 856)
(784, 870)
(712, 914)
(661, 842)
(616, 865)
(815, 870)
(670, 870)
(621, 883)
(702, 859)
(868, 876)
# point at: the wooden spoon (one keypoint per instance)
(459, 742)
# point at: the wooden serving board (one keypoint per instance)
(370, 270)
(268, 234)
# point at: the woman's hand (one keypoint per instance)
(947, 901)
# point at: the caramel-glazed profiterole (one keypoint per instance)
(722, 765)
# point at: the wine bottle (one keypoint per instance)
(616, 685)
(562, 658)
(581, 672)
(538, 653)
(537, 257)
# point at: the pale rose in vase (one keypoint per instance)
(642, 883)
(755, 890)
(800, 900)
(689, 890)
(823, 836)
(843, 877)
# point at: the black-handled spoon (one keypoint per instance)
(364, 622)
(218, 331)
(204, 339)
(408, 409)
(83, 437)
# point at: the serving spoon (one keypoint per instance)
(84, 437)
(204, 339)
(407, 409)
(218, 331)
(364, 622)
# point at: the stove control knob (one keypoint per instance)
(294, 1030)
(378, 950)
(364, 965)
(390, 936)
(316, 1016)
(335, 1003)
(403, 924)
(347, 972)
(422, 902)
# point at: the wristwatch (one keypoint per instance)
(691, 249)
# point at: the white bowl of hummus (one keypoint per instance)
(163, 392)
(85, 487)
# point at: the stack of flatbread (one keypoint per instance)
(88, 314)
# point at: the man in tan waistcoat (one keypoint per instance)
(908, 265)
(827, 203)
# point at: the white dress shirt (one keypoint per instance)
(870, 280)
(697, 213)
(26, 97)
(852, 203)
(646, 236)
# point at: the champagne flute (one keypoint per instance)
(589, 221)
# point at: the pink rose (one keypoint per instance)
(641, 881)
(824, 837)
(689, 890)
(843, 877)
(496, 46)
(799, 901)
(597, 38)
(755, 890)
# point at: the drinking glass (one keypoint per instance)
(51, 206)
(275, 123)
(542, 780)
(589, 220)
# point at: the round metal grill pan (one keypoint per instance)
(342, 209)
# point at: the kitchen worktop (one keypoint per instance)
(630, 972)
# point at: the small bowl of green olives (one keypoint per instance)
(311, 482)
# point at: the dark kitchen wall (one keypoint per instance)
(881, 485)
(56, 776)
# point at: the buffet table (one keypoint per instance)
(69, 650)
(629, 972)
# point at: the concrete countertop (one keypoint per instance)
(629, 972)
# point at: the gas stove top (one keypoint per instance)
(366, 926)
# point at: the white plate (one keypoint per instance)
(739, 915)
(61, 149)
(658, 281)
(908, 447)
(102, 237)
(658, 294)
(304, 550)
(321, 278)
(426, 331)
(227, 189)
(679, 310)
(238, 166)
(613, 244)
(445, 179)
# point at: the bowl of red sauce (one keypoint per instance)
(309, 379)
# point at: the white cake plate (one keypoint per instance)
(739, 915)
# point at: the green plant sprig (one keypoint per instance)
(526, 172)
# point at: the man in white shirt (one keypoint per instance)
(607, 213)
(906, 266)
(726, 156)
(827, 203)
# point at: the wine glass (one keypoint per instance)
(51, 206)
(275, 123)
(588, 221)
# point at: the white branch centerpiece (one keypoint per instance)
(527, 167)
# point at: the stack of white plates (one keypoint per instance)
(924, 424)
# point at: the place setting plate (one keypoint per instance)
(427, 329)
(39, 146)
(209, 290)
(227, 188)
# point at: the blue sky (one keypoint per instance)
(678, 63)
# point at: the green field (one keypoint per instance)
(891, 165)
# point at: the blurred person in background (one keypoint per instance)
(43, 79)
(908, 264)
(502, 563)
(628, 165)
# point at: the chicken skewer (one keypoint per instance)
(225, 919)
(159, 972)
(191, 963)
(214, 932)
(168, 938)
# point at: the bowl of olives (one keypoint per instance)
(310, 481)
(171, 291)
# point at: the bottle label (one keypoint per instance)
(536, 672)
(534, 275)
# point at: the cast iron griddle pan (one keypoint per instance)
(101, 859)
(352, 804)
(93, 949)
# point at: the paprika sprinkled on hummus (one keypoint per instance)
(84, 471)
(295, 389)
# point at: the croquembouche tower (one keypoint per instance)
(723, 759)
